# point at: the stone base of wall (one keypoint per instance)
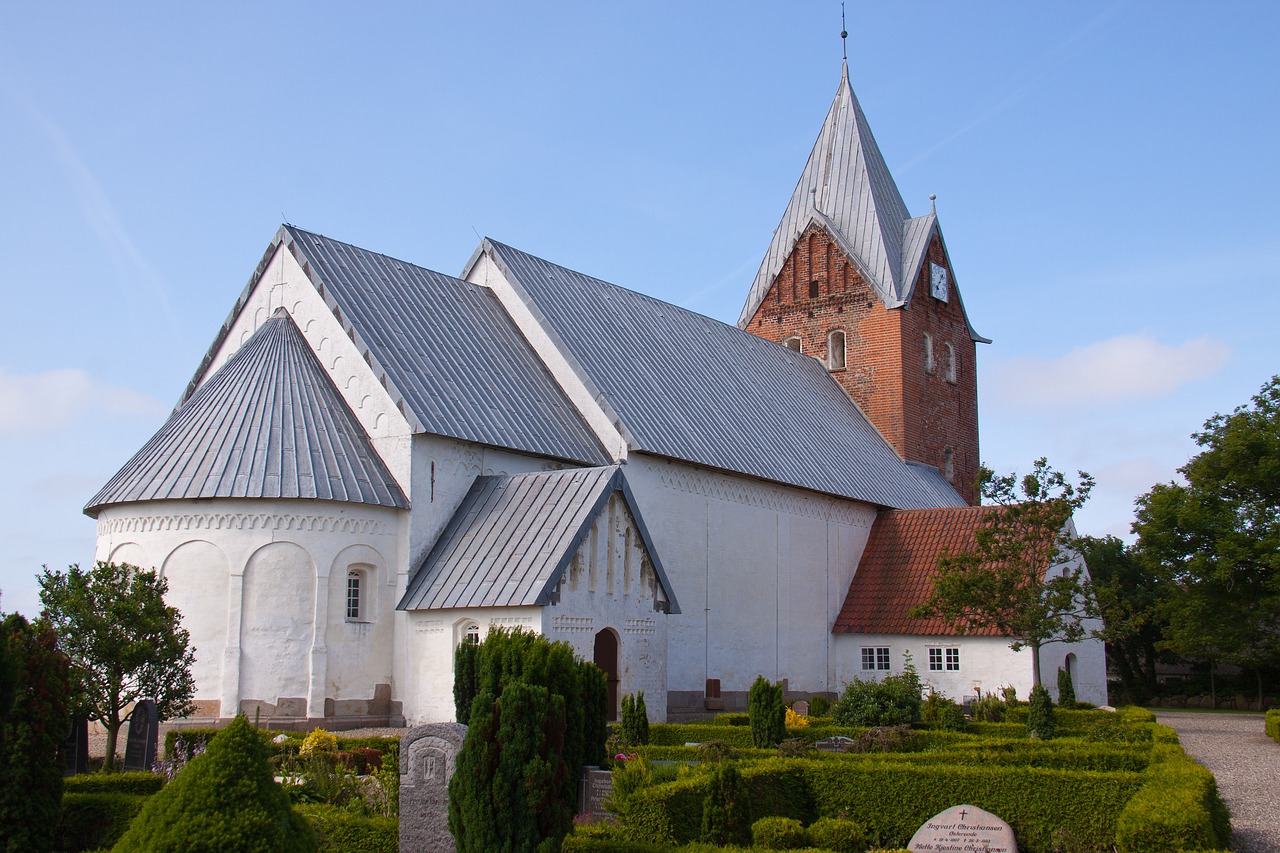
(290, 713)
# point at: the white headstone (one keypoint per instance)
(964, 829)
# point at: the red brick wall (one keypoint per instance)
(921, 415)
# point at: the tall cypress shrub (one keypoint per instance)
(1040, 721)
(464, 679)
(1066, 690)
(635, 720)
(768, 713)
(35, 715)
(726, 809)
(538, 717)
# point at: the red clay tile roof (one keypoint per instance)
(897, 569)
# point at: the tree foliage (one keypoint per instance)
(35, 693)
(892, 701)
(635, 720)
(537, 718)
(1216, 539)
(464, 679)
(226, 801)
(124, 642)
(1041, 722)
(767, 711)
(1019, 578)
(726, 809)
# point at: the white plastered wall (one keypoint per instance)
(760, 572)
(260, 585)
(986, 663)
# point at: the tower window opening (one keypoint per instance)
(928, 353)
(813, 290)
(792, 342)
(836, 350)
(950, 363)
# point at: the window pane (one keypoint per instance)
(353, 596)
(868, 658)
(935, 659)
(882, 657)
(953, 659)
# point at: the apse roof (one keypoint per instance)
(513, 536)
(898, 566)
(268, 424)
(688, 387)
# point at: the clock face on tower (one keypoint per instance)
(939, 281)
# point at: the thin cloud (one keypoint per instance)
(42, 402)
(1127, 367)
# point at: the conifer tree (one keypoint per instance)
(768, 713)
(225, 801)
(1066, 689)
(1040, 720)
(726, 810)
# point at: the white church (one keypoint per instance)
(375, 461)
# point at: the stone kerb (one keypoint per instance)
(428, 756)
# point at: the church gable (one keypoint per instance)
(515, 537)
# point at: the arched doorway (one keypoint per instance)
(606, 657)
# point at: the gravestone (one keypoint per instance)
(964, 829)
(800, 707)
(75, 749)
(596, 787)
(428, 755)
(835, 743)
(144, 731)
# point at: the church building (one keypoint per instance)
(375, 462)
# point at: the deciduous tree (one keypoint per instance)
(124, 642)
(1019, 578)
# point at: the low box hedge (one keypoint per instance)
(341, 830)
(1178, 808)
(893, 798)
(140, 782)
(1272, 724)
(92, 821)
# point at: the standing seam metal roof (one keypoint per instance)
(268, 424)
(450, 350)
(689, 387)
(513, 536)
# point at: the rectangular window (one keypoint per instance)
(875, 657)
(353, 595)
(947, 659)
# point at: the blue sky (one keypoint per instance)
(1105, 172)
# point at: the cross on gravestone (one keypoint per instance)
(428, 755)
(964, 828)
(144, 731)
(75, 749)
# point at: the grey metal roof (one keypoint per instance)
(444, 349)
(689, 387)
(268, 424)
(513, 536)
(847, 189)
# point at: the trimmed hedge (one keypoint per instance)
(191, 738)
(140, 782)
(892, 799)
(1273, 724)
(1177, 809)
(94, 820)
(343, 832)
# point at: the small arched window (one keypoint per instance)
(471, 633)
(950, 365)
(928, 353)
(355, 595)
(836, 350)
(792, 342)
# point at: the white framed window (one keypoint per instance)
(928, 353)
(467, 631)
(836, 350)
(944, 658)
(355, 595)
(792, 342)
(875, 658)
(949, 366)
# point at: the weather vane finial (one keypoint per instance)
(844, 35)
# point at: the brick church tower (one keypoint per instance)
(853, 280)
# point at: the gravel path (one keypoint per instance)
(1246, 764)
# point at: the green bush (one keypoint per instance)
(892, 701)
(225, 800)
(341, 831)
(95, 820)
(1040, 718)
(942, 713)
(635, 720)
(1178, 808)
(734, 718)
(726, 808)
(819, 706)
(840, 836)
(1272, 724)
(778, 833)
(1066, 690)
(768, 712)
(988, 709)
(464, 679)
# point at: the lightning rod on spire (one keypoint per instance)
(844, 35)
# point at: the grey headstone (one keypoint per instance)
(75, 749)
(838, 743)
(964, 829)
(596, 787)
(428, 756)
(801, 707)
(144, 731)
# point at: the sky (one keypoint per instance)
(1105, 175)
